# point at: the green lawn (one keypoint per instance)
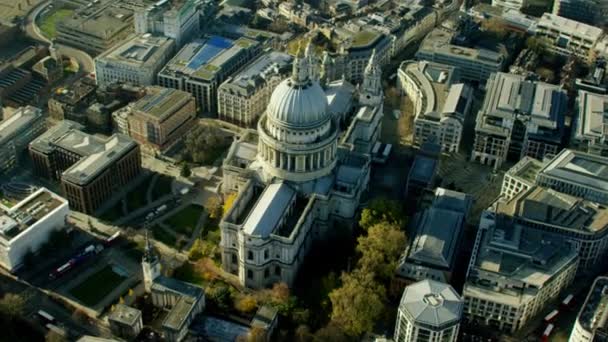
(184, 221)
(93, 289)
(48, 24)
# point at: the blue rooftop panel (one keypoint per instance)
(213, 47)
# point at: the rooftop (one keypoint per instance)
(264, 218)
(20, 120)
(432, 303)
(139, 51)
(438, 229)
(550, 207)
(591, 120)
(439, 42)
(23, 215)
(580, 168)
(96, 153)
(258, 73)
(177, 317)
(125, 314)
(160, 103)
(511, 96)
(434, 82)
(102, 20)
(526, 169)
(264, 317)
(203, 58)
(561, 24)
(524, 257)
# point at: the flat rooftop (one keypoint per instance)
(102, 20)
(177, 317)
(557, 209)
(96, 152)
(439, 42)
(139, 51)
(26, 213)
(580, 168)
(561, 24)
(511, 95)
(518, 254)
(258, 72)
(526, 169)
(592, 115)
(160, 103)
(203, 58)
(125, 314)
(20, 120)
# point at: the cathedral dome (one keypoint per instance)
(298, 101)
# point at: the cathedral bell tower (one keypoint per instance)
(370, 90)
(150, 264)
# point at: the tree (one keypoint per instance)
(358, 303)
(196, 250)
(246, 304)
(219, 295)
(380, 250)
(495, 26)
(382, 210)
(185, 171)
(202, 144)
(12, 305)
(537, 44)
(303, 334)
(213, 205)
(257, 334)
(229, 201)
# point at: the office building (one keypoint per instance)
(201, 66)
(159, 119)
(520, 177)
(429, 311)
(475, 64)
(577, 174)
(590, 123)
(582, 222)
(433, 250)
(91, 169)
(568, 37)
(28, 224)
(71, 103)
(125, 321)
(519, 118)
(184, 300)
(592, 12)
(590, 324)
(242, 98)
(440, 102)
(176, 19)
(293, 177)
(16, 132)
(137, 61)
(96, 27)
(515, 270)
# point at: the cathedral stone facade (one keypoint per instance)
(299, 173)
